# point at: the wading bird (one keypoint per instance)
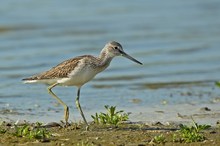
(78, 71)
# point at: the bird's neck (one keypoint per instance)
(105, 58)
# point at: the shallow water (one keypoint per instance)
(178, 42)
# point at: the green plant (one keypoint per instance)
(217, 83)
(159, 139)
(21, 131)
(39, 133)
(192, 133)
(2, 131)
(175, 138)
(112, 117)
(31, 133)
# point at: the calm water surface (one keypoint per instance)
(178, 42)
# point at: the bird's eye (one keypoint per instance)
(116, 48)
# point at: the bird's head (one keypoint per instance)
(115, 49)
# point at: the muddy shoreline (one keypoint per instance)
(128, 133)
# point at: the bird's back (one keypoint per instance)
(75, 71)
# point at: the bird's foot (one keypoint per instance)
(87, 127)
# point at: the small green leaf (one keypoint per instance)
(217, 83)
(111, 117)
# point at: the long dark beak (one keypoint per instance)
(129, 57)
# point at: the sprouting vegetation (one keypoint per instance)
(190, 134)
(112, 117)
(32, 132)
(158, 139)
(217, 83)
(2, 131)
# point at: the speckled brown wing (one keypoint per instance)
(60, 71)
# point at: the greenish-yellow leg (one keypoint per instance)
(79, 107)
(66, 108)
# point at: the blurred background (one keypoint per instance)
(178, 42)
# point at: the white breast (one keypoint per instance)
(80, 75)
